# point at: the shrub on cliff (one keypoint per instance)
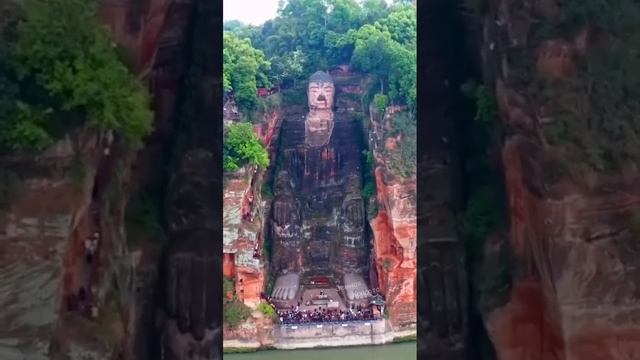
(242, 147)
(380, 101)
(593, 111)
(63, 65)
(228, 286)
(235, 312)
(403, 159)
(266, 309)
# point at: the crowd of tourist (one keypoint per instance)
(324, 315)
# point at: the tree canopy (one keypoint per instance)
(245, 68)
(242, 147)
(311, 35)
(69, 67)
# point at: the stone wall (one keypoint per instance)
(333, 334)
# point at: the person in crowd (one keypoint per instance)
(324, 315)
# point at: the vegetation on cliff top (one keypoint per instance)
(242, 147)
(311, 35)
(235, 313)
(245, 68)
(55, 75)
(402, 159)
(266, 309)
(594, 111)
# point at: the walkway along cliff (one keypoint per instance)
(82, 271)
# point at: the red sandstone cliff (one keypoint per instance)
(244, 219)
(394, 231)
(49, 215)
(575, 291)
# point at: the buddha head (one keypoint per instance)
(321, 91)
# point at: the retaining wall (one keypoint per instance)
(333, 334)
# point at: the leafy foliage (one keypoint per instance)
(287, 67)
(268, 103)
(242, 146)
(403, 159)
(380, 101)
(245, 68)
(594, 112)
(369, 188)
(296, 95)
(486, 105)
(228, 286)
(310, 35)
(266, 309)
(75, 62)
(391, 56)
(235, 312)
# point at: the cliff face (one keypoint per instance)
(394, 229)
(54, 201)
(44, 225)
(244, 220)
(575, 292)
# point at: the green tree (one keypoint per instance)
(75, 62)
(339, 47)
(245, 68)
(242, 147)
(380, 101)
(402, 76)
(372, 52)
(387, 49)
(373, 10)
(228, 286)
(343, 15)
(288, 67)
(302, 24)
(402, 25)
(235, 312)
(266, 309)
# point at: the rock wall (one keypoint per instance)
(442, 302)
(575, 293)
(394, 231)
(329, 335)
(191, 310)
(47, 217)
(244, 221)
(42, 232)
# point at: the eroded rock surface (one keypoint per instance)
(575, 293)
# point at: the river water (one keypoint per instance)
(402, 351)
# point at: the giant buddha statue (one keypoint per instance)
(319, 121)
(286, 214)
(353, 214)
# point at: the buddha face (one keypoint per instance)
(320, 95)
